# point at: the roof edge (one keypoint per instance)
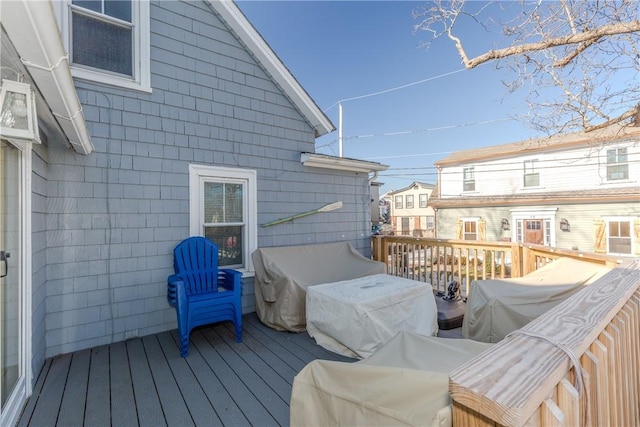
(535, 145)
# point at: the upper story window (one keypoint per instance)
(108, 41)
(531, 177)
(409, 198)
(617, 164)
(398, 202)
(423, 200)
(469, 179)
(223, 206)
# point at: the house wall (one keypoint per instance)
(114, 217)
(39, 255)
(581, 217)
(417, 215)
(571, 170)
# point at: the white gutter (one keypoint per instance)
(239, 24)
(33, 30)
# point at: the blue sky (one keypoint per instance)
(339, 50)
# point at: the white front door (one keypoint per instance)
(13, 381)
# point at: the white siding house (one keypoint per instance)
(576, 191)
(411, 213)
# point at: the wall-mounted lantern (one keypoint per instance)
(505, 224)
(18, 116)
(564, 225)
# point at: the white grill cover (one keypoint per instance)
(284, 273)
(497, 307)
(356, 317)
(405, 383)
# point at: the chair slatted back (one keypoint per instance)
(196, 261)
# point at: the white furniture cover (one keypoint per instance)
(356, 317)
(284, 273)
(405, 383)
(498, 307)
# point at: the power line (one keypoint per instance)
(484, 122)
(395, 88)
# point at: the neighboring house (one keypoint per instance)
(575, 191)
(411, 213)
(167, 119)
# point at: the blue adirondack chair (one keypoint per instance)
(201, 292)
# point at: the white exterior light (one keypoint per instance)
(18, 116)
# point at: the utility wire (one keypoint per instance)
(395, 88)
(484, 122)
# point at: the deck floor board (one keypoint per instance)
(145, 382)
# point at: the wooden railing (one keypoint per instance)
(440, 261)
(529, 378)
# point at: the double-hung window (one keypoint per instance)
(617, 164)
(469, 179)
(423, 200)
(431, 221)
(223, 209)
(619, 237)
(398, 202)
(409, 198)
(469, 230)
(108, 41)
(531, 177)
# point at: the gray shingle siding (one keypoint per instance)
(114, 217)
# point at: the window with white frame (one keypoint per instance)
(617, 164)
(531, 177)
(409, 198)
(469, 230)
(223, 209)
(108, 41)
(398, 202)
(423, 198)
(468, 179)
(619, 238)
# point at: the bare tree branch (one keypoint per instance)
(579, 60)
(584, 37)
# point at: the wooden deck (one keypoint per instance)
(145, 382)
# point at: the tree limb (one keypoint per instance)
(590, 36)
(581, 48)
(623, 117)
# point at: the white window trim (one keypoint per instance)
(476, 220)
(629, 219)
(464, 181)
(534, 167)
(196, 173)
(141, 20)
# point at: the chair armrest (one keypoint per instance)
(230, 279)
(176, 293)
